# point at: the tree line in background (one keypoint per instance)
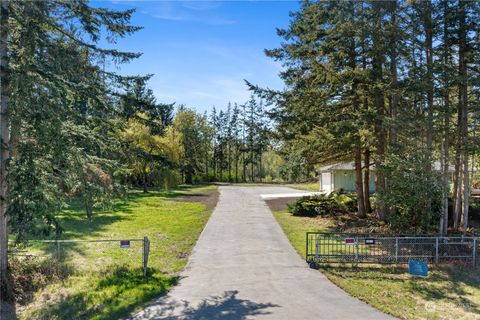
(228, 145)
(393, 86)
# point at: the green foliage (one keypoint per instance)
(196, 136)
(149, 155)
(272, 162)
(321, 205)
(295, 168)
(414, 190)
(363, 76)
(62, 107)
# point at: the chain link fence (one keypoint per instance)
(324, 247)
(87, 255)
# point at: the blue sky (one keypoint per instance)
(200, 51)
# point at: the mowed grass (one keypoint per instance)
(450, 292)
(314, 186)
(106, 281)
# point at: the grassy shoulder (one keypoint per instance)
(447, 293)
(105, 281)
(313, 186)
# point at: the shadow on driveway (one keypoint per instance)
(226, 306)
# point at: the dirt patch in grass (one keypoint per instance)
(208, 197)
(347, 222)
(280, 204)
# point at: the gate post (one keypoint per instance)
(436, 250)
(146, 251)
(306, 248)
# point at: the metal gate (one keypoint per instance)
(324, 247)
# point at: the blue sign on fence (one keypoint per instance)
(418, 268)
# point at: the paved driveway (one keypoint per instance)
(243, 267)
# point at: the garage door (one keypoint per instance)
(326, 181)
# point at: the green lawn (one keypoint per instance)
(314, 186)
(106, 281)
(447, 293)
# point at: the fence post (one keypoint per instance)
(306, 247)
(436, 250)
(317, 247)
(356, 249)
(474, 253)
(396, 249)
(146, 251)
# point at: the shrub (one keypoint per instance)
(321, 205)
(349, 203)
(32, 274)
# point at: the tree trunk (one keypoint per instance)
(462, 130)
(244, 165)
(236, 164)
(229, 162)
(88, 201)
(366, 182)
(214, 163)
(380, 141)
(189, 174)
(466, 193)
(260, 173)
(446, 122)
(463, 107)
(457, 211)
(144, 180)
(206, 168)
(366, 174)
(428, 25)
(358, 182)
(379, 104)
(252, 165)
(356, 108)
(393, 73)
(6, 296)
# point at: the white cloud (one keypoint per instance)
(187, 11)
(201, 5)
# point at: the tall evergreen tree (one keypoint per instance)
(49, 52)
